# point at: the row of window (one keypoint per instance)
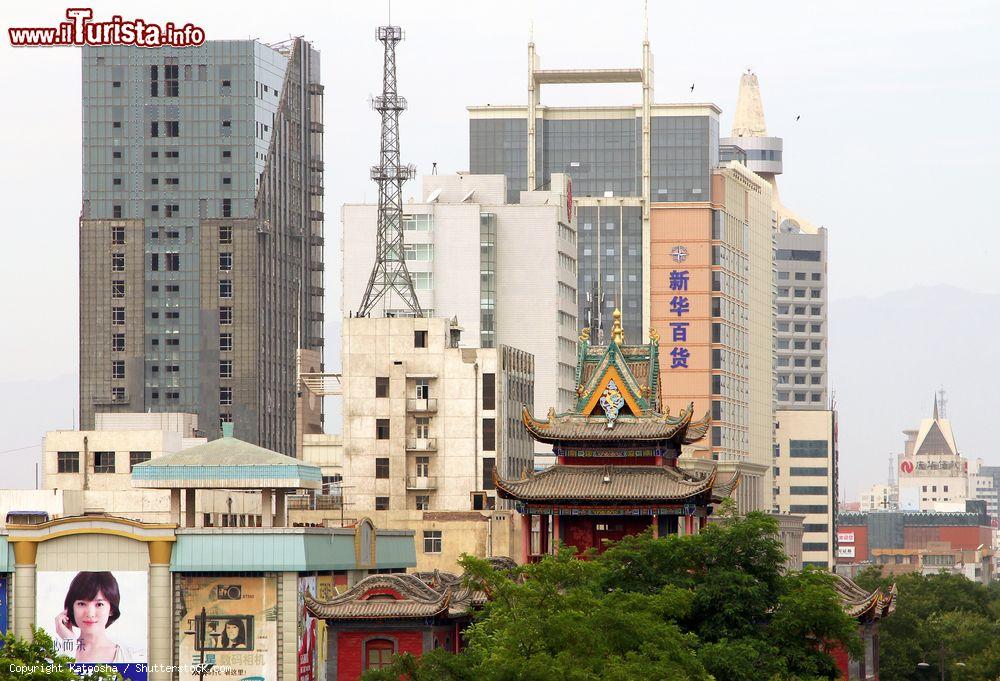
(814, 310)
(800, 362)
(382, 432)
(104, 462)
(801, 276)
(800, 397)
(814, 379)
(784, 292)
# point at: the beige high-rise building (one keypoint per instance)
(712, 303)
(806, 478)
(426, 421)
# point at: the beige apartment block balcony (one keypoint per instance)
(421, 482)
(421, 444)
(421, 405)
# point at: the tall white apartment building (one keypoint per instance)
(426, 421)
(805, 480)
(506, 272)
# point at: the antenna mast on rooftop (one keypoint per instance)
(390, 272)
(942, 403)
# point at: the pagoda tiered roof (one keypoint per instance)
(650, 427)
(619, 484)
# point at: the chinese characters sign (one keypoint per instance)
(680, 305)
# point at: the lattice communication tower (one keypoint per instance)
(390, 272)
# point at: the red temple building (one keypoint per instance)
(616, 455)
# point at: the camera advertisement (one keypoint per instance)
(97, 618)
(228, 628)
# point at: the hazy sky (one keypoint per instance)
(894, 153)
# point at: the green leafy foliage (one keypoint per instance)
(942, 620)
(717, 605)
(38, 660)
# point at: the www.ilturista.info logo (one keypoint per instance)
(81, 30)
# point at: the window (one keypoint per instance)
(117, 262)
(381, 386)
(225, 262)
(808, 508)
(815, 310)
(420, 339)
(227, 153)
(173, 288)
(800, 276)
(381, 503)
(800, 293)
(816, 293)
(489, 391)
(423, 502)
(227, 180)
(173, 180)
(118, 394)
(225, 342)
(172, 210)
(381, 429)
(174, 341)
(814, 546)
(225, 396)
(118, 368)
(118, 234)
(226, 288)
(815, 328)
(379, 653)
(118, 342)
(423, 466)
(382, 468)
(806, 470)
(68, 462)
(808, 449)
(815, 527)
(225, 316)
(154, 129)
(227, 208)
(423, 427)
(489, 435)
(432, 541)
(154, 262)
(226, 234)
(104, 462)
(489, 465)
(816, 276)
(116, 212)
(225, 368)
(816, 345)
(171, 73)
(173, 154)
(118, 316)
(809, 490)
(137, 458)
(173, 128)
(423, 389)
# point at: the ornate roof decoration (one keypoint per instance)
(652, 427)
(418, 595)
(862, 605)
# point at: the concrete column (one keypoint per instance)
(525, 538)
(279, 508)
(189, 514)
(24, 587)
(175, 506)
(288, 660)
(267, 519)
(160, 609)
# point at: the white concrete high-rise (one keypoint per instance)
(506, 272)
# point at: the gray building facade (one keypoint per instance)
(801, 331)
(201, 233)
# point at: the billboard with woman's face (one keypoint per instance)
(229, 628)
(97, 617)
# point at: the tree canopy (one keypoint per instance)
(942, 620)
(38, 660)
(713, 605)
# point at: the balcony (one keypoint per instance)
(418, 405)
(421, 483)
(318, 502)
(421, 444)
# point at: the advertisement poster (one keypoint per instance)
(97, 618)
(229, 628)
(307, 631)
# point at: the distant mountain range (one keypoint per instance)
(890, 353)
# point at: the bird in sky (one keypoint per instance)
(692, 87)
(798, 117)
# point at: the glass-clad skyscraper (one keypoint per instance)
(201, 233)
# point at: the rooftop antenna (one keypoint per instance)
(390, 272)
(942, 401)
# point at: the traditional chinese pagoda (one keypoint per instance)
(616, 454)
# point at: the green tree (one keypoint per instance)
(713, 605)
(38, 660)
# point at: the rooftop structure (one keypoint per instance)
(933, 475)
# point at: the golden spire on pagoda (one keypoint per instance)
(617, 332)
(585, 334)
